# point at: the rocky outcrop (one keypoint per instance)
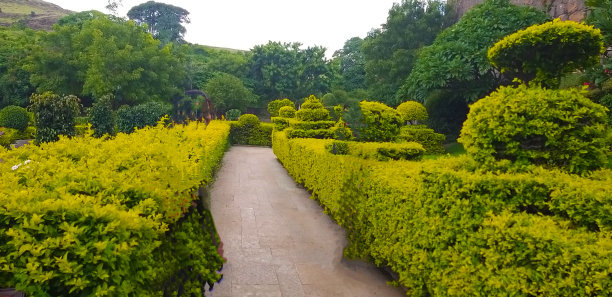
(574, 10)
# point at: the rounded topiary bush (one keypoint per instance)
(250, 120)
(382, 122)
(14, 117)
(554, 128)
(412, 111)
(275, 105)
(287, 112)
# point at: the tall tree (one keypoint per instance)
(390, 52)
(106, 55)
(15, 46)
(351, 64)
(165, 21)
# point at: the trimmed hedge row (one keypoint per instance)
(251, 135)
(381, 151)
(448, 229)
(431, 141)
(120, 217)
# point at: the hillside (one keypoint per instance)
(36, 14)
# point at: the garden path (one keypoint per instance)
(277, 241)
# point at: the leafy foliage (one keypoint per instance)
(457, 59)
(448, 230)
(351, 65)
(165, 21)
(140, 116)
(229, 92)
(102, 116)
(246, 132)
(14, 117)
(380, 151)
(105, 55)
(412, 111)
(287, 112)
(382, 122)
(390, 52)
(559, 128)
(55, 115)
(87, 216)
(9, 136)
(428, 138)
(312, 110)
(233, 114)
(275, 105)
(15, 47)
(543, 53)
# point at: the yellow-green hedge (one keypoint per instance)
(448, 229)
(120, 217)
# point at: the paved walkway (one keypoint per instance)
(277, 241)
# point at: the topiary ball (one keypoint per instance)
(532, 125)
(250, 120)
(287, 112)
(412, 111)
(14, 117)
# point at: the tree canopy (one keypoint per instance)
(165, 21)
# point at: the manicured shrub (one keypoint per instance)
(300, 133)
(14, 117)
(382, 122)
(431, 141)
(102, 116)
(233, 114)
(140, 116)
(341, 131)
(543, 53)
(338, 147)
(385, 151)
(280, 123)
(311, 125)
(118, 217)
(275, 105)
(449, 229)
(287, 112)
(55, 115)
(249, 120)
(312, 110)
(555, 128)
(412, 112)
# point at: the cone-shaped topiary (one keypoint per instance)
(554, 128)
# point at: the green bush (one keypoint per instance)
(11, 135)
(312, 110)
(248, 133)
(311, 125)
(448, 229)
(102, 116)
(431, 141)
(544, 53)
(413, 112)
(385, 151)
(341, 131)
(249, 120)
(140, 116)
(287, 112)
(14, 117)
(280, 123)
(55, 115)
(233, 114)
(382, 122)
(558, 128)
(338, 147)
(275, 105)
(300, 133)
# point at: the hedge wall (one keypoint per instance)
(121, 217)
(260, 134)
(449, 230)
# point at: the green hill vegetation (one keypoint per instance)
(35, 14)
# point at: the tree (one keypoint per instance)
(457, 60)
(228, 92)
(351, 64)
(283, 70)
(390, 52)
(106, 55)
(204, 63)
(15, 46)
(165, 21)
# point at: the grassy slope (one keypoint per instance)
(37, 14)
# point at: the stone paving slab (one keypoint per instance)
(277, 241)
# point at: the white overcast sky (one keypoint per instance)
(242, 24)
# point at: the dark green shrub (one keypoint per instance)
(413, 112)
(55, 115)
(382, 122)
(431, 141)
(102, 116)
(249, 120)
(246, 133)
(233, 114)
(300, 133)
(140, 116)
(341, 131)
(275, 105)
(287, 112)
(280, 123)
(543, 53)
(338, 147)
(14, 117)
(559, 128)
